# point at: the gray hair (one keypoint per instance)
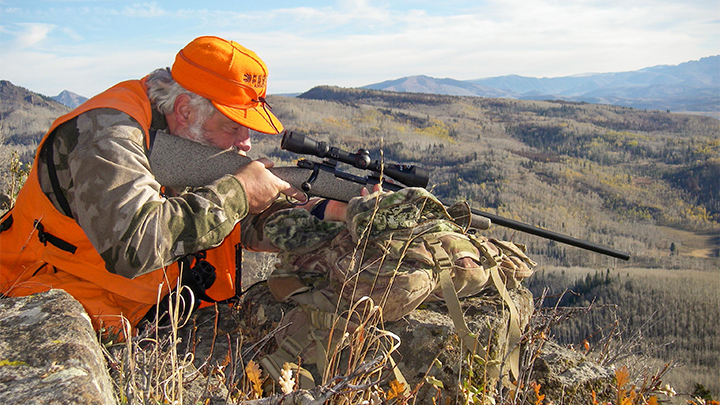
(163, 90)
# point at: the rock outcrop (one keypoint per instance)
(49, 353)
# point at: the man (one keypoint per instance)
(91, 218)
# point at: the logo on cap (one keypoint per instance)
(255, 80)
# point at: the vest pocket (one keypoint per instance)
(46, 237)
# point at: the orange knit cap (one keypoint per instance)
(233, 77)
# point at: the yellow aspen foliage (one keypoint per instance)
(540, 397)
(254, 374)
(396, 389)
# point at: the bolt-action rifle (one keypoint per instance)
(177, 163)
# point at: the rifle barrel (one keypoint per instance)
(568, 240)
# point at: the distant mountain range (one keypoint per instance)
(691, 86)
(69, 99)
(688, 87)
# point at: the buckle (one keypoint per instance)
(41, 231)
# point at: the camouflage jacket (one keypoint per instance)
(104, 173)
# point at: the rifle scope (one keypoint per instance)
(411, 176)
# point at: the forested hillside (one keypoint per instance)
(24, 118)
(658, 315)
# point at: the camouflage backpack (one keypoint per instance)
(400, 249)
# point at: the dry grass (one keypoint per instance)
(147, 366)
(155, 368)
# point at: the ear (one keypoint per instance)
(182, 109)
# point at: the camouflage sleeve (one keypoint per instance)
(299, 231)
(252, 236)
(116, 200)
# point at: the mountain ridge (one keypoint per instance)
(689, 86)
(69, 99)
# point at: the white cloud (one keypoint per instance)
(144, 10)
(32, 33)
(71, 33)
(347, 12)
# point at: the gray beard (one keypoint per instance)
(195, 132)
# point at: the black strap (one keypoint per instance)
(151, 133)
(54, 240)
(52, 172)
(40, 268)
(6, 223)
(238, 270)
(319, 209)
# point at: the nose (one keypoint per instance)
(242, 139)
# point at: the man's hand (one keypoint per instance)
(262, 187)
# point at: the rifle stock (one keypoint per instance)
(178, 163)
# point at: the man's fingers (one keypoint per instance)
(376, 187)
(284, 187)
(293, 192)
(262, 187)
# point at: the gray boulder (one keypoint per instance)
(429, 333)
(570, 377)
(49, 353)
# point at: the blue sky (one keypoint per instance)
(86, 46)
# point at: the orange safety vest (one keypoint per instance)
(40, 248)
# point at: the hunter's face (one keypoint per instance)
(224, 133)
